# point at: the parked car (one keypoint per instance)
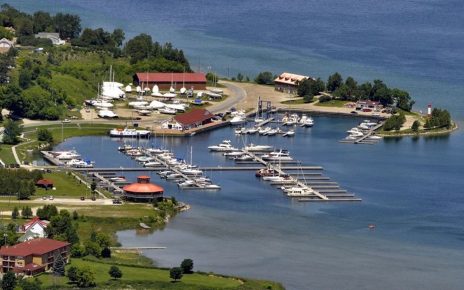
(66, 121)
(51, 197)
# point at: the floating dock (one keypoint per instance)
(365, 138)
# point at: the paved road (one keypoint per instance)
(237, 94)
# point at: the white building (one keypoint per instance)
(53, 36)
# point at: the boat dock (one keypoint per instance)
(50, 158)
(206, 168)
(365, 138)
(315, 186)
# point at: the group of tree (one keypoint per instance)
(308, 88)
(394, 122)
(18, 182)
(26, 25)
(82, 277)
(26, 212)
(350, 90)
(101, 39)
(186, 267)
(44, 135)
(7, 61)
(33, 96)
(265, 78)
(9, 234)
(62, 227)
(438, 119)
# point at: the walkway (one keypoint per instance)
(237, 94)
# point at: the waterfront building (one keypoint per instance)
(53, 36)
(164, 81)
(368, 105)
(5, 45)
(189, 120)
(142, 190)
(33, 257)
(288, 82)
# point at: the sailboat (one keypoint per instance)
(258, 117)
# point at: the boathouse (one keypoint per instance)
(164, 81)
(142, 190)
(189, 120)
(288, 82)
(33, 257)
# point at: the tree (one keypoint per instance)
(25, 78)
(9, 281)
(77, 251)
(92, 248)
(11, 132)
(106, 252)
(42, 21)
(15, 213)
(85, 278)
(187, 266)
(26, 212)
(118, 36)
(239, 77)
(308, 88)
(75, 215)
(44, 135)
(27, 284)
(415, 126)
(72, 273)
(334, 82)
(139, 47)
(68, 25)
(175, 273)
(265, 78)
(58, 265)
(115, 272)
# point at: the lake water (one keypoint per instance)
(249, 228)
(411, 188)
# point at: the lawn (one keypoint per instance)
(6, 155)
(296, 101)
(66, 186)
(333, 103)
(154, 278)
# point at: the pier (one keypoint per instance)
(365, 138)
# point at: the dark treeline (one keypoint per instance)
(350, 90)
(438, 119)
(18, 182)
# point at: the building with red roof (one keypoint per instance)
(35, 228)
(34, 256)
(142, 190)
(164, 81)
(288, 82)
(45, 183)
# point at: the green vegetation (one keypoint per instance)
(438, 119)
(9, 281)
(332, 103)
(19, 183)
(415, 126)
(66, 186)
(394, 122)
(175, 274)
(265, 78)
(309, 88)
(12, 131)
(6, 155)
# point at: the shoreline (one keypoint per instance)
(423, 134)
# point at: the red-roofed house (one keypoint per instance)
(33, 257)
(189, 120)
(35, 228)
(164, 81)
(288, 82)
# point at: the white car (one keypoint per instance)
(66, 121)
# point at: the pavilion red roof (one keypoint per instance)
(171, 77)
(194, 116)
(45, 182)
(143, 185)
(33, 247)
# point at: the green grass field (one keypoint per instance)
(154, 278)
(6, 155)
(66, 186)
(332, 103)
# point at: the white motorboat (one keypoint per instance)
(240, 131)
(225, 146)
(281, 155)
(134, 153)
(264, 131)
(156, 151)
(275, 178)
(191, 171)
(375, 137)
(144, 112)
(252, 130)
(105, 113)
(271, 132)
(144, 158)
(233, 154)
(289, 133)
(66, 155)
(152, 164)
(237, 120)
(258, 148)
(354, 130)
(137, 104)
(126, 132)
(168, 111)
(244, 157)
(101, 104)
(306, 121)
(298, 192)
(117, 179)
(357, 134)
(79, 163)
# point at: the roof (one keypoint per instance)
(48, 35)
(28, 267)
(44, 182)
(33, 247)
(171, 77)
(194, 116)
(33, 221)
(143, 185)
(290, 79)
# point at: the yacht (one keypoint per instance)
(66, 155)
(225, 146)
(258, 148)
(144, 158)
(306, 121)
(240, 131)
(191, 171)
(79, 163)
(252, 130)
(264, 131)
(117, 179)
(354, 130)
(125, 147)
(152, 164)
(156, 151)
(244, 157)
(265, 172)
(105, 113)
(298, 192)
(274, 178)
(375, 137)
(238, 119)
(233, 154)
(281, 155)
(271, 132)
(126, 132)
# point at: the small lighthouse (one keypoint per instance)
(429, 110)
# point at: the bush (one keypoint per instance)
(106, 252)
(324, 98)
(265, 78)
(115, 272)
(77, 251)
(187, 266)
(44, 135)
(72, 273)
(394, 122)
(175, 273)
(415, 126)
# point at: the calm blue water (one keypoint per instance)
(415, 45)
(250, 229)
(411, 188)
